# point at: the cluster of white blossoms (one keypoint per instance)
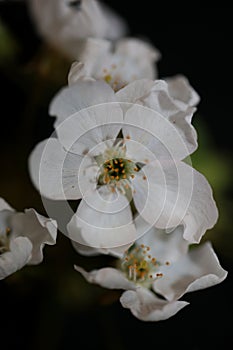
(120, 148)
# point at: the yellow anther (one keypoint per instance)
(108, 78)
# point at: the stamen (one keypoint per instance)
(140, 267)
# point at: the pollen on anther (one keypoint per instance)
(142, 246)
(167, 263)
(128, 137)
(144, 177)
(159, 274)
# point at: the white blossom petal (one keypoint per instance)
(165, 247)
(180, 89)
(143, 53)
(197, 270)
(70, 100)
(92, 50)
(16, 258)
(117, 252)
(55, 172)
(107, 277)
(135, 92)
(63, 24)
(156, 96)
(149, 128)
(4, 205)
(147, 307)
(103, 220)
(89, 130)
(38, 229)
(175, 194)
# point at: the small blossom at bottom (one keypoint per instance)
(157, 271)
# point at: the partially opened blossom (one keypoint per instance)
(111, 157)
(157, 271)
(174, 96)
(22, 238)
(65, 23)
(117, 63)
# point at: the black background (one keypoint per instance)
(195, 41)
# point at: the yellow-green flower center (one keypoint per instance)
(115, 169)
(139, 266)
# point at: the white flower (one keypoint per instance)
(65, 23)
(22, 238)
(159, 265)
(108, 154)
(118, 64)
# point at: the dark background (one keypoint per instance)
(50, 306)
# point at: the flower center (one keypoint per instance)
(4, 240)
(115, 169)
(139, 266)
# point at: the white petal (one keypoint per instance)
(149, 128)
(92, 51)
(38, 229)
(135, 92)
(16, 258)
(4, 205)
(87, 130)
(103, 220)
(147, 307)
(144, 54)
(140, 49)
(165, 247)
(176, 194)
(156, 96)
(140, 149)
(55, 172)
(199, 269)
(117, 252)
(70, 100)
(180, 89)
(63, 26)
(107, 277)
